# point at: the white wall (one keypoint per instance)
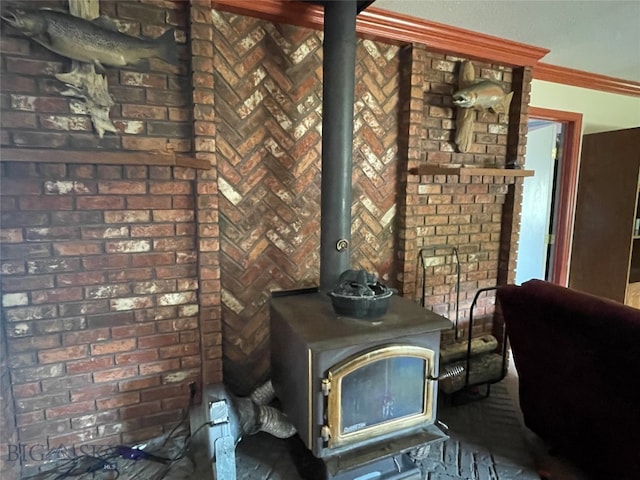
(601, 111)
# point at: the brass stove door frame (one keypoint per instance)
(335, 375)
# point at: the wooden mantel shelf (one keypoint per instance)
(458, 171)
(101, 157)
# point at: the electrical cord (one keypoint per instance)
(96, 463)
(184, 448)
(132, 453)
(187, 442)
(192, 395)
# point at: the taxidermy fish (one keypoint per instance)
(91, 41)
(484, 94)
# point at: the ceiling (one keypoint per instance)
(595, 36)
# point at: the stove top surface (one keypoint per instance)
(311, 315)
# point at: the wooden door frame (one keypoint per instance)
(567, 187)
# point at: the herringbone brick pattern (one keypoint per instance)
(268, 99)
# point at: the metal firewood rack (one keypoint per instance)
(468, 393)
(469, 390)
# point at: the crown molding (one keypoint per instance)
(392, 27)
(395, 28)
(578, 78)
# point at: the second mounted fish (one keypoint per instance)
(483, 95)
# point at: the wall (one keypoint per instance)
(476, 214)
(124, 282)
(268, 98)
(110, 280)
(9, 463)
(99, 299)
(601, 111)
(268, 90)
(152, 111)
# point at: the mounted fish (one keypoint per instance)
(484, 95)
(92, 41)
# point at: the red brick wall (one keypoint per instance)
(9, 463)
(99, 293)
(206, 200)
(477, 214)
(110, 279)
(268, 97)
(152, 111)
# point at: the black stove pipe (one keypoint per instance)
(339, 57)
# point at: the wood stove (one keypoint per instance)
(356, 390)
(360, 393)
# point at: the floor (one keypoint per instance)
(487, 442)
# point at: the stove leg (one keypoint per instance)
(419, 453)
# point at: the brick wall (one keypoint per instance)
(476, 214)
(9, 465)
(109, 271)
(121, 283)
(99, 299)
(152, 110)
(206, 200)
(268, 95)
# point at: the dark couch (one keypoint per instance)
(578, 363)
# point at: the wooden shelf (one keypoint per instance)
(101, 158)
(496, 172)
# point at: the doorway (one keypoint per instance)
(537, 225)
(545, 254)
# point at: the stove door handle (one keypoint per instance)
(448, 373)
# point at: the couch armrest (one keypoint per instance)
(578, 362)
(614, 325)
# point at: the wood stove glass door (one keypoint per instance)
(378, 392)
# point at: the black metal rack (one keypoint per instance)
(469, 390)
(503, 370)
